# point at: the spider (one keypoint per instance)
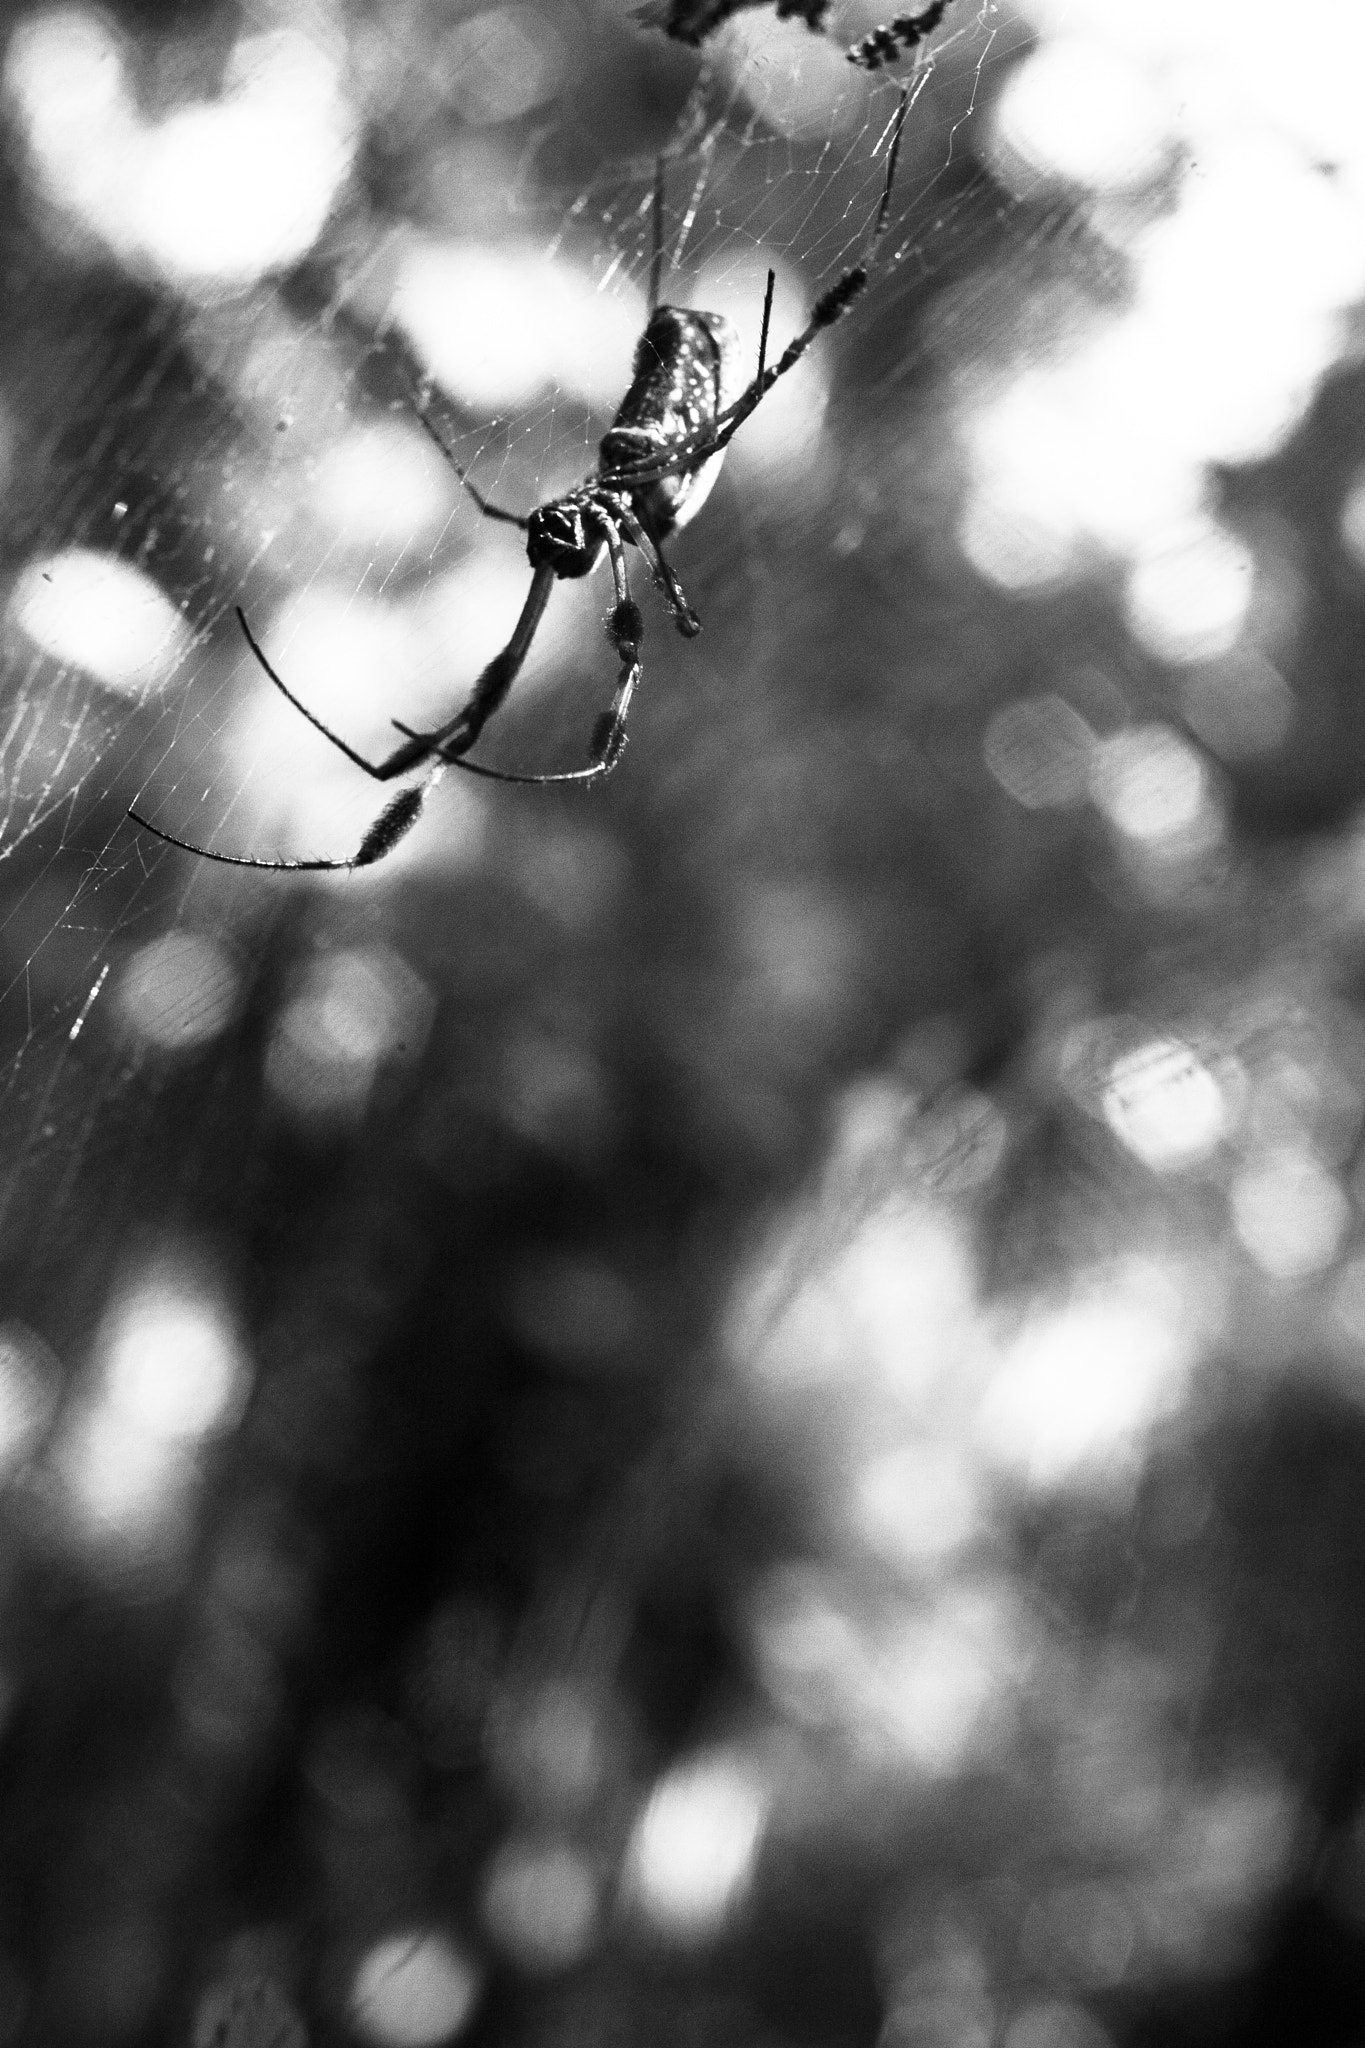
(657, 465)
(692, 21)
(904, 32)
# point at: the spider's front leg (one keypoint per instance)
(625, 630)
(451, 742)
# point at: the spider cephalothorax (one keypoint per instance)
(657, 464)
(566, 536)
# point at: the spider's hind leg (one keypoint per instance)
(684, 618)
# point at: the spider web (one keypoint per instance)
(299, 1172)
(187, 440)
(256, 244)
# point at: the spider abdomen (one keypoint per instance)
(684, 364)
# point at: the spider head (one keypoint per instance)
(566, 536)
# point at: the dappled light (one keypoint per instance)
(180, 991)
(716, 1399)
(540, 1904)
(103, 616)
(548, 326)
(354, 1012)
(692, 1852)
(169, 1375)
(413, 1991)
(217, 191)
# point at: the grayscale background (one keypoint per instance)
(726, 1411)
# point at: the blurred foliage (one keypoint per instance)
(650, 1565)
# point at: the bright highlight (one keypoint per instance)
(101, 615)
(413, 1991)
(694, 1848)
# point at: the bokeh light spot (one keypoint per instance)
(1240, 706)
(692, 1854)
(808, 1646)
(539, 1903)
(895, 1306)
(938, 1679)
(356, 1010)
(1014, 545)
(413, 1991)
(1080, 1387)
(103, 616)
(218, 191)
(1080, 110)
(170, 1372)
(1039, 750)
(1290, 1213)
(173, 1368)
(179, 991)
(1150, 784)
(499, 64)
(918, 1504)
(382, 484)
(798, 84)
(911, 1682)
(358, 663)
(550, 1747)
(124, 1489)
(1165, 1105)
(239, 186)
(497, 328)
(1188, 596)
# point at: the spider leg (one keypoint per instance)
(829, 307)
(394, 822)
(341, 745)
(904, 32)
(685, 619)
(625, 628)
(450, 742)
(832, 304)
(893, 158)
(767, 322)
(488, 692)
(488, 510)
